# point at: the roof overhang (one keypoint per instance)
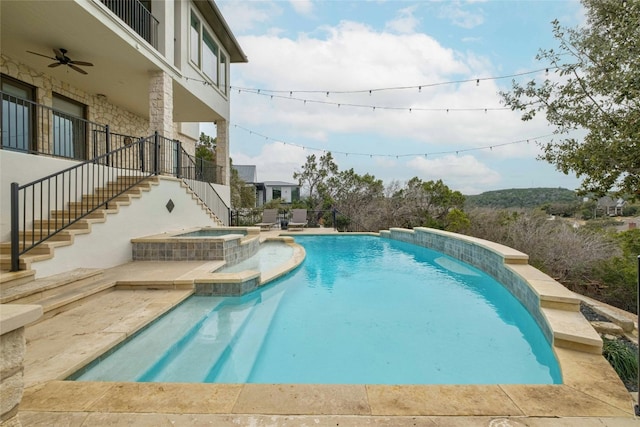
(213, 15)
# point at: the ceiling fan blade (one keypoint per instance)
(85, 64)
(54, 65)
(39, 54)
(78, 69)
(59, 53)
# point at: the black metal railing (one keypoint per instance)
(199, 175)
(137, 17)
(328, 218)
(37, 129)
(43, 208)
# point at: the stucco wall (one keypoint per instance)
(109, 243)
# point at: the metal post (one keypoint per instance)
(156, 150)
(335, 224)
(141, 146)
(15, 225)
(178, 159)
(107, 145)
(638, 310)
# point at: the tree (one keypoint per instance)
(598, 90)
(206, 148)
(242, 195)
(314, 178)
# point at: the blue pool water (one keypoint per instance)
(359, 310)
(270, 255)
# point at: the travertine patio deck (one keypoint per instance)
(591, 395)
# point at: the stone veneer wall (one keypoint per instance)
(13, 318)
(194, 249)
(99, 110)
(469, 250)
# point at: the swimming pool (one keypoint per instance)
(360, 310)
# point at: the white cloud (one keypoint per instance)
(463, 173)
(303, 7)
(459, 16)
(245, 15)
(352, 56)
(275, 162)
(405, 22)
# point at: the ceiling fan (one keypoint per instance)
(61, 58)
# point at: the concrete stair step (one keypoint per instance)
(47, 287)
(10, 279)
(25, 261)
(41, 249)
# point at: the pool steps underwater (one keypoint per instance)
(214, 361)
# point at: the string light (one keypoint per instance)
(398, 156)
(419, 87)
(374, 107)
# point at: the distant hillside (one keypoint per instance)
(521, 198)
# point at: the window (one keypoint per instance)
(222, 79)
(194, 40)
(206, 54)
(295, 194)
(276, 193)
(210, 57)
(17, 114)
(69, 128)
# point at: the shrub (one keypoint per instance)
(622, 358)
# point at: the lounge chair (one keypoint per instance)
(298, 220)
(269, 219)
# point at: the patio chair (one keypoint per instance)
(298, 220)
(269, 219)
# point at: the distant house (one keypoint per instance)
(611, 206)
(268, 190)
(285, 191)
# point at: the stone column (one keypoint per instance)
(161, 104)
(13, 318)
(161, 116)
(223, 173)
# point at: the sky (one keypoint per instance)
(396, 89)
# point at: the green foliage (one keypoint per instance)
(314, 178)
(523, 198)
(617, 276)
(242, 195)
(206, 148)
(596, 88)
(622, 358)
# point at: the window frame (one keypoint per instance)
(197, 61)
(220, 79)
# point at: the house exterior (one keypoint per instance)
(268, 190)
(286, 191)
(82, 78)
(610, 206)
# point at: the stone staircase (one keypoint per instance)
(54, 293)
(46, 250)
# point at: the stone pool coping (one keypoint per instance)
(590, 389)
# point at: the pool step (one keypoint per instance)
(201, 347)
(57, 292)
(237, 361)
(146, 352)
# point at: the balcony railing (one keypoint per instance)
(35, 128)
(136, 16)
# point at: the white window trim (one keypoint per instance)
(224, 91)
